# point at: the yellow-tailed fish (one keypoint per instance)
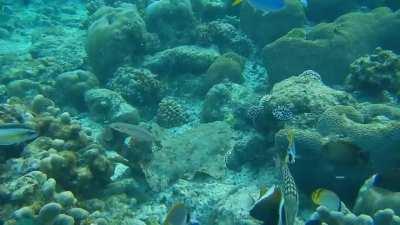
(289, 190)
(326, 198)
(269, 208)
(291, 147)
(14, 134)
(177, 215)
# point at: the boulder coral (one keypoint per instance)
(170, 114)
(74, 85)
(138, 86)
(106, 105)
(181, 59)
(172, 20)
(266, 28)
(321, 48)
(114, 34)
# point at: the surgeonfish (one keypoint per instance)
(291, 147)
(289, 190)
(136, 132)
(389, 180)
(269, 207)
(179, 214)
(267, 5)
(14, 134)
(264, 5)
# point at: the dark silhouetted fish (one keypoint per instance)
(14, 134)
(269, 208)
(136, 132)
(343, 152)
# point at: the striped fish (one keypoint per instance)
(289, 190)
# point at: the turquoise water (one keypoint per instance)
(206, 112)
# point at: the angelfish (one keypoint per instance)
(14, 134)
(179, 214)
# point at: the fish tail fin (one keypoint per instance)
(236, 2)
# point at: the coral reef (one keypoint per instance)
(325, 43)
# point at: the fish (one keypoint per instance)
(326, 198)
(15, 134)
(343, 152)
(269, 207)
(136, 132)
(264, 5)
(267, 5)
(389, 180)
(289, 190)
(291, 147)
(178, 215)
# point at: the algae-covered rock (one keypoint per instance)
(74, 85)
(224, 102)
(181, 59)
(172, 20)
(198, 150)
(114, 34)
(325, 48)
(107, 105)
(375, 73)
(267, 28)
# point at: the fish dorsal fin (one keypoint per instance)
(236, 2)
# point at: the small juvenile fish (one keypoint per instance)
(12, 134)
(136, 132)
(291, 147)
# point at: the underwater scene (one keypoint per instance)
(199, 112)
